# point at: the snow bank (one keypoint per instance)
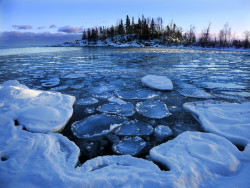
(231, 121)
(37, 111)
(198, 159)
(157, 82)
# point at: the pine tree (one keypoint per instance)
(84, 35)
(128, 27)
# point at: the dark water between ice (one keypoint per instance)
(102, 73)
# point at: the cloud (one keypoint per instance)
(41, 27)
(52, 26)
(70, 29)
(22, 27)
(18, 38)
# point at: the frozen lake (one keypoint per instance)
(107, 85)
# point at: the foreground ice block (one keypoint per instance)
(229, 120)
(157, 82)
(35, 159)
(198, 159)
(37, 111)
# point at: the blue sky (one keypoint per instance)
(60, 20)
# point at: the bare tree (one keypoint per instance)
(190, 35)
(225, 35)
(247, 39)
(206, 35)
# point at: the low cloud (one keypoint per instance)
(24, 27)
(70, 29)
(43, 27)
(18, 38)
(52, 26)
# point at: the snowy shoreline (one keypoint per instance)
(142, 44)
(194, 159)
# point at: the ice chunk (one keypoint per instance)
(202, 159)
(189, 90)
(153, 109)
(37, 111)
(157, 82)
(162, 131)
(87, 101)
(50, 82)
(134, 128)
(96, 125)
(129, 146)
(118, 109)
(229, 120)
(116, 100)
(77, 86)
(137, 94)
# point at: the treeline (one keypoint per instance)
(152, 28)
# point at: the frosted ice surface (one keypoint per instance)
(118, 109)
(96, 125)
(203, 160)
(87, 101)
(129, 146)
(189, 90)
(153, 109)
(157, 82)
(134, 128)
(229, 120)
(162, 131)
(137, 94)
(36, 110)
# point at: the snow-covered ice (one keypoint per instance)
(36, 110)
(134, 128)
(198, 159)
(162, 131)
(230, 120)
(35, 159)
(129, 146)
(118, 109)
(96, 125)
(153, 109)
(157, 82)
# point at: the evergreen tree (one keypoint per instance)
(120, 30)
(84, 35)
(128, 27)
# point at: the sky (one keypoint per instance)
(39, 22)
